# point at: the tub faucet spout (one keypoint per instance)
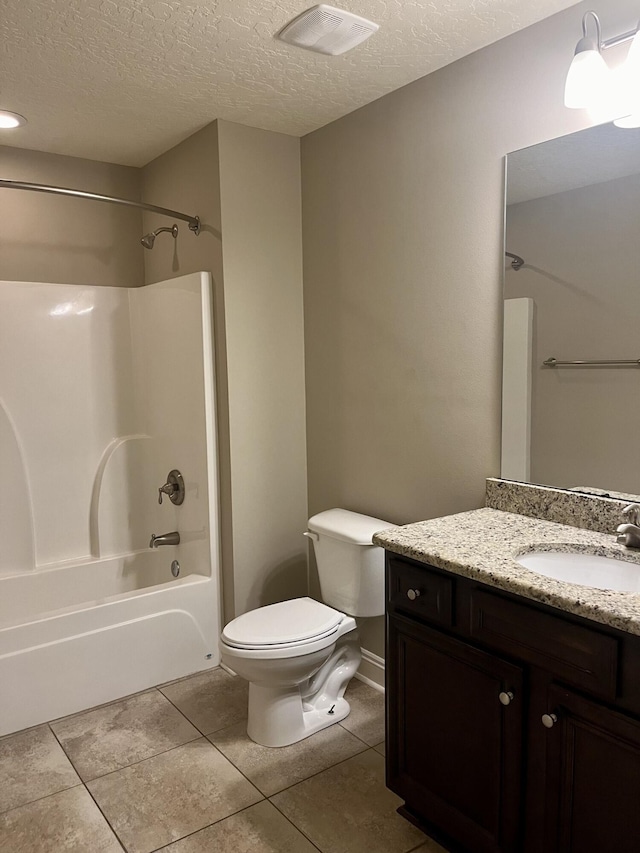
(164, 539)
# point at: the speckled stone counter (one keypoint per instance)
(482, 545)
(591, 510)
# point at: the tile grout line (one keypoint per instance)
(78, 784)
(297, 828)
(371, 746)
(204, 734)
(84, 785)
(213, 823)
(313, 775)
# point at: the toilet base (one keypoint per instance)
(280, 716)
(284, 721)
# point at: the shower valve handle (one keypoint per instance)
(174, 488)
(167, 489)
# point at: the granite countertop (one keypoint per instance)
(482, 545)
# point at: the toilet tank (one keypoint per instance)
(350, 566)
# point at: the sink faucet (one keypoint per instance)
(164, 539)
(629, 532)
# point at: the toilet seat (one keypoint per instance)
(286, 625)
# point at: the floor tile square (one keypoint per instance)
(430, 846)
(212, 700)
(271, 770)
(163, 798)
(68, 821)
(348, 809)
(259, 829)
(32, 765)
(366, 719)
(116, 735)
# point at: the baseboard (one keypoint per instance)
(371, 670)
(228, 669)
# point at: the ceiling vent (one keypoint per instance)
(327, 30)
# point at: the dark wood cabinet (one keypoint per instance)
(488, 777)
(593, 777)
(449, 708)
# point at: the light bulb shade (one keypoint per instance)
(588, 77)
(632, 62)
(632, 120)
(628, 86)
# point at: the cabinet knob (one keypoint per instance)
(412, 594)
(549, 720)
(506, 697)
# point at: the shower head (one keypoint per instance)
(149, 239)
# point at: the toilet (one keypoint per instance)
(299, 655)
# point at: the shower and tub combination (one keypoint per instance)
(108, 510)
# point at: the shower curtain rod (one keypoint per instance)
(194, 221)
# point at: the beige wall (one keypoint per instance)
(55, 239)
(403, 241)
(186, 178)
(246, 183)
(262, 242)
(582, 258)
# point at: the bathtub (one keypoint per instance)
(82, 633)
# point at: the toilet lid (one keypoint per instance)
(295, 621)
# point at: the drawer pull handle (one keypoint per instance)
(412, 594)
(549, 720)
(506, 697)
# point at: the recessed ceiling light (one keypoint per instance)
(9, 119)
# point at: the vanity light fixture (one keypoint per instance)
(590, 83)
(9, 120)
(588, 74)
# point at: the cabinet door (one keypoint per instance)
(593, 777)
(453, 749)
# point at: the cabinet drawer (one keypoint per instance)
(579, 656)
(420, 592)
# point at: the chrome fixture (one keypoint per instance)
(175, 568)
(149, 239)
(506, 697)
(164, 539)
(194, 221)
(173, 488)
(549, 720)
(516, 260)
(629, 532)
(589, 79)
(412, 594)
(596, 362)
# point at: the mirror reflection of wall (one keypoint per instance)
(573, 215)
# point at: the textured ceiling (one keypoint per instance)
(580, 159)
(124, 80)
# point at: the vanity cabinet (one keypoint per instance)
(592, 778)
(511, 726)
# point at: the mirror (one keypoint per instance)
(573, 218)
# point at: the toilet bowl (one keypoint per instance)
(297, 684)
(299, 655)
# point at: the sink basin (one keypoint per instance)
(584, 569)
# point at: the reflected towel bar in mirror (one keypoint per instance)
(599, 362)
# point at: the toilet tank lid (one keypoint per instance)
(347, 526)
(292, 621)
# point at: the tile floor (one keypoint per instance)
(172, 769)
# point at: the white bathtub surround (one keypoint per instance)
(102, 392)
